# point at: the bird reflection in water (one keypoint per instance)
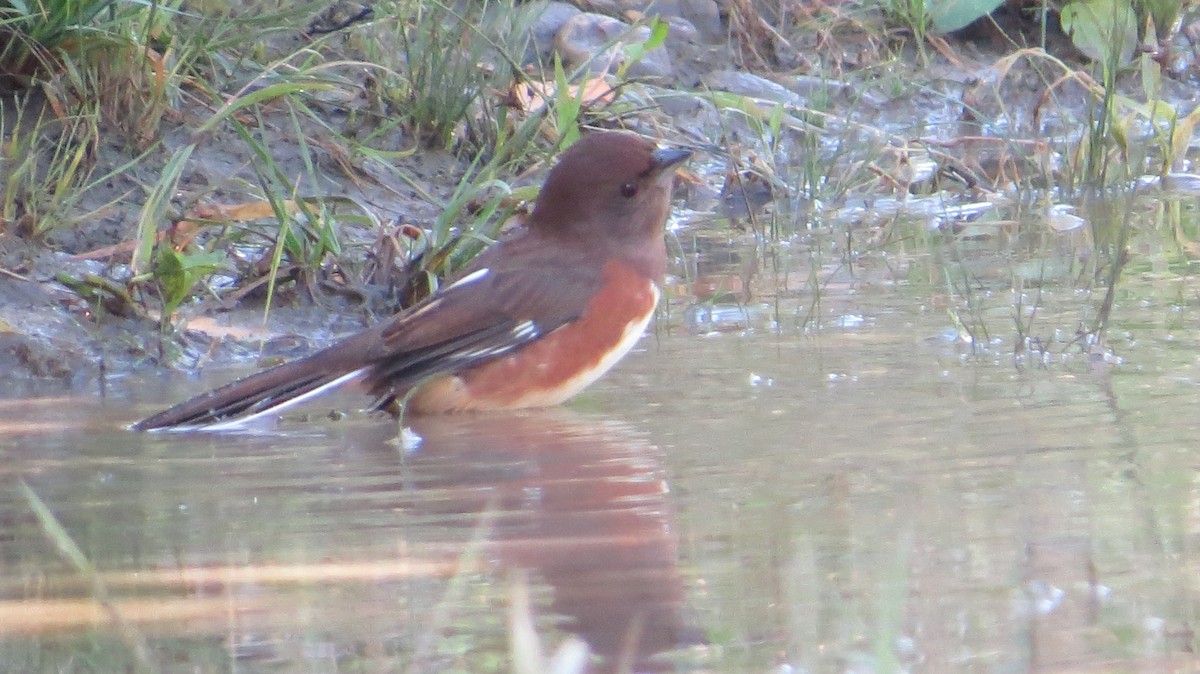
(581, 503)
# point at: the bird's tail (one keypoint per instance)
(240, 402)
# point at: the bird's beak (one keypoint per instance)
(667, 158)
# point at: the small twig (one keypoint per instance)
(13, 274)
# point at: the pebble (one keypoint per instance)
(749, 84)
(703, 15)
(583, 37)
(551, 16)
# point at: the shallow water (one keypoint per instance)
(846, 484)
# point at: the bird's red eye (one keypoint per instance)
(629, 190)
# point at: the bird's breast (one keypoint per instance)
(560, 364)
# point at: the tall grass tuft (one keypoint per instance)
(441, 59)
(45, 161)
(80, 52)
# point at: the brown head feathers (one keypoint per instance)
(608, 183)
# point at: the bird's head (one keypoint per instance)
(610, 184)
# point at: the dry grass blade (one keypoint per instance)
(24, 617)
(71, 552)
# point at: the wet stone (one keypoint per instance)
(682, 31)
(690, 112)
(748, 84)
(703, 15)
(22, 355)
(600, 6)
(550, 19)
(587, 34)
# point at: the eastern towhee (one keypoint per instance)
(532, 321)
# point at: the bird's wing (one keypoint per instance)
(491, 310)
(487, 313)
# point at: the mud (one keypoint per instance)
(48, 331)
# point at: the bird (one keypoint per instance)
(533, 320)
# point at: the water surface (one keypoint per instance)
(899, 472)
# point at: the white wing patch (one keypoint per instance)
(434, 301)
(467, 280)
(238, 423)
(521, 332)
(525, 331)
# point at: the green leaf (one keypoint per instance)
(266, 93)
(168, 269)
(177, 273)
(566, 106)
(951, 15)
(658, 33)
(1104, 30)
(636, 51)
(156, 204)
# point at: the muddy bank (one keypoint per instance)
(830, 118)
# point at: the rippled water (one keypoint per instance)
(869, 478)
